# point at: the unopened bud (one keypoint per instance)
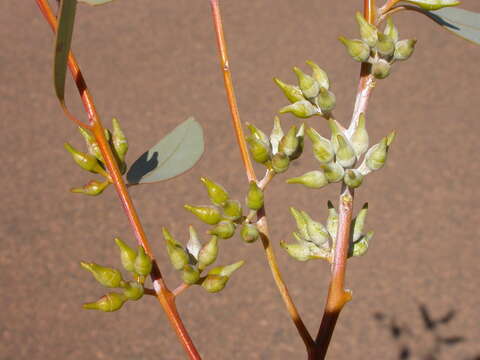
(208, 214)
(143, 263)
(326, 100)
(190, 275)
(289, 143)
(127, 255)
(357, 49)
(276, 135)
(319, 75)
(193, 244)
(257, 133)
(322, 147)
(302, 109)
(92, 145)
(309, 86)
(317, 233)
(353, 178)
(226, 270)
(333, 171)
(360, 247)
(404, 49)
(85, 161)
(249, 233)
(120, 143)
(177, 255)
(280, 162)
(93, 188)
(208, 253)
(332, 221)
(107, 303)
(232, 210)
(301, 223)
(385, 45)
(134, 291)
(260, 150)
(313, 179)
(434, 4)
(359, 139)
(368, 32)
(390, 30)
(390, 138)
(214, 283)
(381, 68)
(225, 229)
(218, 195)
(106, 276)
(255, 196)
(293, 93)
(345, 153)
(359, 222)
(377, 155)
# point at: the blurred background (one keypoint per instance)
(152, 64)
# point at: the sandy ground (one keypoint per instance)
(154, 63)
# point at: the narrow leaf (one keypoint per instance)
(63, 40)
(174, 154)
(433, 4)
(95, 2)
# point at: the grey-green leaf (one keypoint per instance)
(463, 23)
(174, 154)
(95, 2)
(63, 40)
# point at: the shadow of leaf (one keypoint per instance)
(142, 167)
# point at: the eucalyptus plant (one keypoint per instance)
(346, 157)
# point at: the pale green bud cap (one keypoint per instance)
(190, 275)
(353, 178)
(333, 172)
(336, 129)
(225, 229)
(134, 291)
(390, 30)
(107, 303)
(359, 139)
(381, 69)
(301, 223)
(300, 137)
(360, 247)
(404, 49)
(390, 138)
(93, 188)
(302, 109)
(359, 222)
(385, 45)
(92, 145)
(208, 214)
(119, 140)
(319, 75)
(293, 93)
(260, 150)
(322, 147)
(317, 233)
(313, 179)
(177, 255)
(218, 195)
(280, 162)
(332, 221)
(326, 100)
(255, 196)
(232, 210)
(289, 143)
(85, 161)
(193, 244)
(377, 155)
(345, 153)
(357, 49)
(434, 4)
(106, 276)
(227, 270)
(249, 233)
(127, 255)
(257, 133)
(208, 254)
(143, 263)
(276, 135)
(309, 86)
(300, 252)
(214, 283)
(368, 32)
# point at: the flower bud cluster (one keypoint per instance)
(93, 161)
(136, 262)
(312, 96)
(379, 49)
(317, 241)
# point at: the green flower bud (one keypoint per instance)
(390, 138)
(353, 178)
(127, 255)
(218, 195)
(302, 109)
(193, 244)
(309, 86)
(377, 155)
(93, 188)
(214, 283)
(260, 150)
(357, 49)
(255, 196)
(360, 247)
(300, 137)
(333, 171)
(404, 49)
(385, 45)
(293, 93)
(208, 253)
(317, 233)
(313, 179)
(390, 30)
(249, 233)
(359, 139)
(434, 4)
(280, 162)
(322, 148)
(190, 275)
(319, 75)
(226, 270)
(359, 223)
(92, 145)
(120, 143)
(381, 69)
(289, 143)
(143, 263)
(345, 153)
(276, 135)
(368, 32)
(134, 291)
(110, 302)
(106, 276)
(300, 252)
(332, 221)
(336, 129)
(225, 229)
(208, 214)
(178, 256)
(301, 223)
(85, 161)
(232, 210)
(326, 100)
(257, 133)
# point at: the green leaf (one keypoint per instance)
(463, 23)
(95, 2)
(433, 4)
(174, 154)
(63, 40)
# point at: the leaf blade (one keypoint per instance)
(95, 2)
